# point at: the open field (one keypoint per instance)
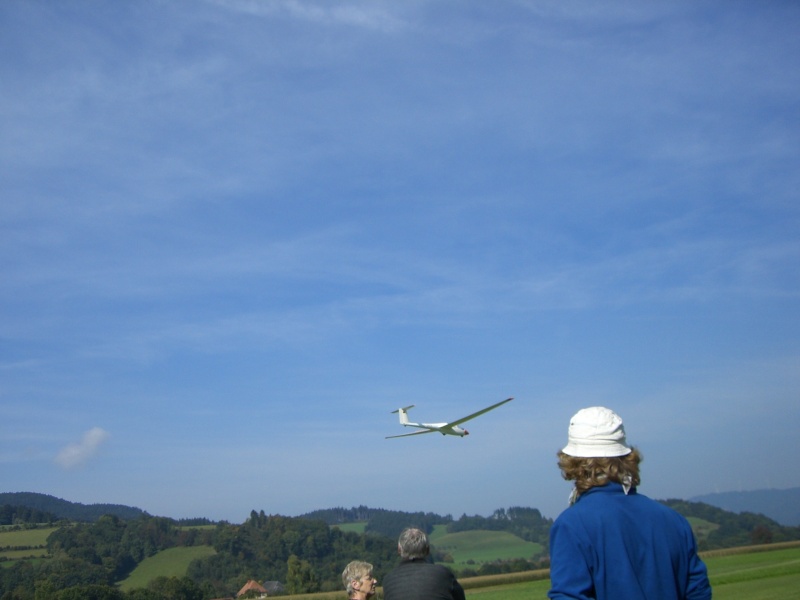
(514, 591)
(25, 537)
(759, 575)
(471, 548)
(701, 527)
(354, 527)
(11, 555)
(172, 562)
(23, 544)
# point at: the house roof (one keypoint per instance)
(251, 585)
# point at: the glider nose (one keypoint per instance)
(466, 432)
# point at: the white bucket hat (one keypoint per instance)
(596, 432)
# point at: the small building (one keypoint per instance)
(253, 586)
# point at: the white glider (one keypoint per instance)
(451, 428)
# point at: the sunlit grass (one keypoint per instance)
(470, 548)
(172, 562)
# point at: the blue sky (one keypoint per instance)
(236, 234)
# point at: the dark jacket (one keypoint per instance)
(421, 580)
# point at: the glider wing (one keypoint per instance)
(479, 413)
(408, 434)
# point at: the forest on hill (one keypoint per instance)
(87, 559)
(783, 506)
(71, 511)
(733, 529)
(526, 523)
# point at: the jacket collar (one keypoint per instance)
(612, 487)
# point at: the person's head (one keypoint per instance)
(357, 577)
(597, 451)
(413, 544)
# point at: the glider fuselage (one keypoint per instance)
(442, 428)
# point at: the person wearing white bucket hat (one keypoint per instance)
(613, 543)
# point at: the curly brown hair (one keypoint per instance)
(593, 472)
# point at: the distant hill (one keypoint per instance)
(63, 509)
(782, 506)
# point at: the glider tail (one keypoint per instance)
(403, 414)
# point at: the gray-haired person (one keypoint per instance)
(417, 577)
(358, 580)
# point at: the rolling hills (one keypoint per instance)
(130, 552)
(783, 506)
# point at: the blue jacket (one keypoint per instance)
(613, 546)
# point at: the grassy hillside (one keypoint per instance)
(701, 527)
(25, 537)
(172, 562)
(23, 544)
(354, 527)
(781, 505)
(476, 547)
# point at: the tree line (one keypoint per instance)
(18, 515)
(88, 560)
(63, 509)
(733, 529)
(526, 523)
(306, 555)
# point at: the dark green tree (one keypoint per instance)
(300, 577)
(89, 592)
(176, 588)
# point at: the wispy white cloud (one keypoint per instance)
(369, 15)
(78, 453)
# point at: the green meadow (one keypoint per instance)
(25, 537)
(353, 527)
(23, 544)
(172, 562)
(756, 575)
(701, 527)
(761, 575)
(471, 548)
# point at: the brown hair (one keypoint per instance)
(597, 471)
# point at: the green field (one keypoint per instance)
(767, 575)
(701, 527)
(515, 591)
(353, 527)
(11, 555)
(26, 543)
(756, 575)
(471, 548)
(172, 562)
(25, 537)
